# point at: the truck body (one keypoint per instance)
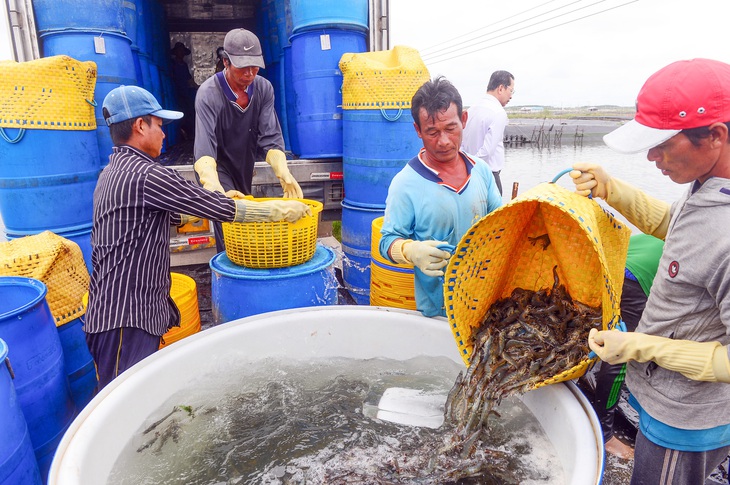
(201, 26)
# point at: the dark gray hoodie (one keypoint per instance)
(689, 300)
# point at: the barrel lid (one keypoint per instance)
(323, 257)
(14, 303)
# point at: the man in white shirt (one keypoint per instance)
(484, 131)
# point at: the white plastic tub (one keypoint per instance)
(95, 439)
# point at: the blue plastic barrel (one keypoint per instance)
(356, 238)
(142, 36)
(280, 102)
(263, 23)
(238, 292)
(78, 362)
(115, 67)
(271, 34)
(107, 15)
(130, 20)
(17, 460)
(137, 67)
(283, 21)
(290, 95)
(144, 68)
(317, 80)
(27, 326)
(47, 179)
(376, 145)
(313, 14)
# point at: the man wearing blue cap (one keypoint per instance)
(135, 202)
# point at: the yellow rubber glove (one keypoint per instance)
(422, 254)
(277, 160)
(590, 179)
(270, 210)
(207, 171)
(186, 218)
(649, 214)
(700, 361)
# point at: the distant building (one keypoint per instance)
(592, 108)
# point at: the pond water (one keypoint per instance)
(530, 166)
(310, 422)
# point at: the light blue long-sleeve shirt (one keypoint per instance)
(420, 206)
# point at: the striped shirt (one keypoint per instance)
(135, 202)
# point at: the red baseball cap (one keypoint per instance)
(682, 95)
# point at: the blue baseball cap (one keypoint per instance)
(128, 102)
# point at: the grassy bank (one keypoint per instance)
(581, 113)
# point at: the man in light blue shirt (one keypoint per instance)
(437, 196)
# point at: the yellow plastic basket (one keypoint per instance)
(184, 293)
(518, 245)
(273, 244)
(391, 284)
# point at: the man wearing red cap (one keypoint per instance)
(235, 121)
(678, 367)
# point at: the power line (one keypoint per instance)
(529, 34)
(543, 21)
(495, 23)
(490, 25)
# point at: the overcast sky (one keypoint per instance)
(601, 59)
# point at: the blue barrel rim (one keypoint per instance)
(327, 29)
(75, 230)
(97, 32)
(326, 255)
(26, 282)
(348, 204)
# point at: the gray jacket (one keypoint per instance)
(689, 300)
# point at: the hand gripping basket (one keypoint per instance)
(507, 249)
(273, 244)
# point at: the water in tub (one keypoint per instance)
(311, 422)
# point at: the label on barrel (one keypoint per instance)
(324, 41)
(99, 45)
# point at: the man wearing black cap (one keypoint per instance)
(136, 200)
(678, 366)
(235, 121)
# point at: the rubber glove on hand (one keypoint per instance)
(277, 160)
(234, 194)
(591, 179)
(187, 219)
(422, 254)
(207, 171)
(700, 361)
(270, 210)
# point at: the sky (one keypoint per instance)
(601, 59)
(601, 54)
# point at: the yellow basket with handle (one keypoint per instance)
(273, 244)
(518, 245)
